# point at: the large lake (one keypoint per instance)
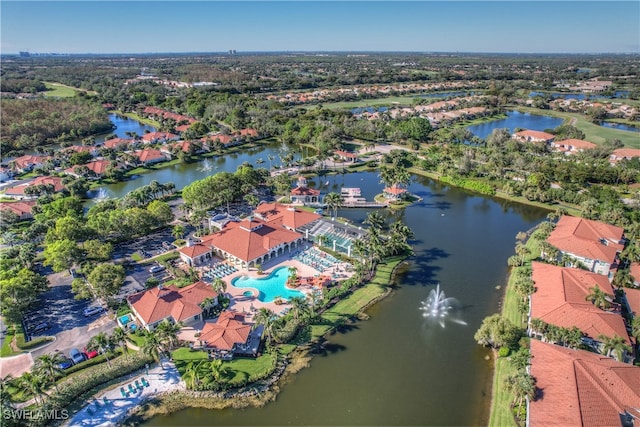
(397, 368)
(516, 119)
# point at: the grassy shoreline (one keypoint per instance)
(344, 311)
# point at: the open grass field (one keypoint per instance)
(58, 90)
(594, 133)
(373, 102)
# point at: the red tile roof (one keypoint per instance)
(148, 154)
(98, 167)
(28, 160)
(346, 154)
(41, 180)
(228, 331)
(114, 142)
(19, 208)
(625, 153)
(580, 388)
(582, 237)
(395, 190)
(534, 134)
(156, 304)
(304, 191)
(154, 136)
(577, 144)
(633, 299)
(250, 132)
(248, 240)
(80, 148)
(559, 300)
(287, 216)
(195, 251)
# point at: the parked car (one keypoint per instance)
(90, 311)
(65, 364)
(90, 354)
(156, 268)
(76, 355)
(39, 327)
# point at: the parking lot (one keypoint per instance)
(64, 317)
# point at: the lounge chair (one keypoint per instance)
(98, 405)
(106, 401)
(131, 389)
(138, 385)
(144, 382)
(124, 393)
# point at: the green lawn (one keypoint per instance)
(594, 133)
(57, 90)
(382, 102)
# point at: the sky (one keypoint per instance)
(414, 26)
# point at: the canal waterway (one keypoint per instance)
(397, 368)
(516, 119)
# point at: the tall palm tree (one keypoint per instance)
(598, 297)
(522, 385)
(191, 373)
(299, 307)
(217, 369)
(153, 347)
(6, 399)
(266, 317)
(48, 365)
(100, 342)
(119, 338)
(34, 383)
(334, 202)
(168, 333)
(220, 286)
(615, 345)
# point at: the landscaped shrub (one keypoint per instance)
(92, 362)
(31, 344)
(74, 387)
(504, 351)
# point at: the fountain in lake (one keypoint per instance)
(206, 166)
(440, 308)
(101, 195)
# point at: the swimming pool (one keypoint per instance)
(269, 287)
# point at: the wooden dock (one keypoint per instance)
(363, 204)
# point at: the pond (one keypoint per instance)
(620, 126)
(581, 96)
(397, 368)
(516, 119)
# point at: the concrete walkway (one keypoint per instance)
(116, 407)
(15, 365)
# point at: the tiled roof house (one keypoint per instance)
(560, 300)
(593, 243)
(172, 303)
(579, 388)
(226, 333)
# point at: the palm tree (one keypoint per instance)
(34, 383)
(217, 369)
(178, 231)
(191, 374)
(598, 297)
(48, 364)
(100, 342)
(265, 317)
(153, 347)
(6, 399)
(522, 385)
(635, 327)
(334, 202)
(522, 251)
(220, 286)
(615, 345)
(168, 333)
(119, 338)
(299, 307)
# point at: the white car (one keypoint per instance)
(156, 268)
(90, 311)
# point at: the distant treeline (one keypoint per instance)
(21, 86)
(28, 123)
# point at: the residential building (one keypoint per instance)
(579, 388)
(23, 208)
(395, 192)
(171, 303)
(228, 332)
(594, 244)
(20, 191)
(533, 136)
(303, 194)
(285, 216)
(28, 162)
(117, 143)
(624, 154)
(195, 254)
(96, 168)
(149, 156)
(346, 156)
(158, 137)
(560, 299)
(572, 146)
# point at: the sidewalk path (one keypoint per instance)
(116, 409)
(15, 365)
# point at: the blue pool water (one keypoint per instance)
(125, 319)
(269, 287)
